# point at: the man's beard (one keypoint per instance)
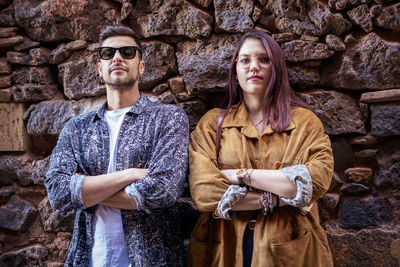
(122, 83)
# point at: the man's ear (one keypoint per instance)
(99, 69)
(141, 67)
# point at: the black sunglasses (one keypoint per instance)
(127, 52)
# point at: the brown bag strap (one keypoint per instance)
(221, 118)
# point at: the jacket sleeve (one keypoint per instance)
(164, 182)
(207, 183)
(318, 158)
(62, 184)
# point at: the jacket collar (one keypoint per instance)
(137, 108)
(243, 121)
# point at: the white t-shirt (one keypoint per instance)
(109, 248)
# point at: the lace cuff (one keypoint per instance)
(230, 198)
(300, 176)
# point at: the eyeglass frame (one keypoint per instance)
(137, 49)
(251, 60)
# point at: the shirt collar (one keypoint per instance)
(241, 119)
(137, 108)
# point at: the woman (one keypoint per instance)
(257, 168)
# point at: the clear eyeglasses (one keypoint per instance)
(244, 61)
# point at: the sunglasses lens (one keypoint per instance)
(107, 53)
(128, 52)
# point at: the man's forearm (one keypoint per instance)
(120, 200)
(96, 189)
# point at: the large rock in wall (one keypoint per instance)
(56, 20)
(370, 63)
(343, 59)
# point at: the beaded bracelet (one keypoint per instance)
(240, 175)
(265, 202)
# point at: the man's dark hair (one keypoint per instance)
(119, 30)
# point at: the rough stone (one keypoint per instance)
(349, 39)
(358, 213)
(395, 249)
(40, 168)
(359, 174)
(17, 214)
(267, 20)
(335, 42)
(8, 32)
(36, 56)
(366, 140)
(178, 87)
(389, 18)
(302, 78)
(29, 256)
(7, 18)
(5, 95)
(234, 16)
(203, 3)
(27, 43)
(49, 117)
(5, 68)
(364, 110)
(167, 97)
(342, 4)
(195, 110)
(13, 136)
(343, 155)
(5, 81)
(336, 183)
(79, 75)
(59, 54)
(15, 169)
(178, 18)
(33, 75)
(256, 13)
(385, 119)
(330, 202)
(366, 153)
(55, 220)
(76, 45)
(161, 88)
(5, 193)
(33, 84)
(375, 10)
(386, 177)
(33, 92)
(338, 112)
(204, 64)
(11, 41)
(367, 247)
(354, 189)
(283, 37)
(298, 50)
(56, 20)
(316, 63)
(369, 64)
(362, 17)
(309, 38)
(160, 63)
(381, 96)
(303, 17)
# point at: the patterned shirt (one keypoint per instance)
(153, 136)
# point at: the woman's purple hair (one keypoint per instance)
(279, 97)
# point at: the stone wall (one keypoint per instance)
(343, 58)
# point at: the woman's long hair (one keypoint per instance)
(279, 97)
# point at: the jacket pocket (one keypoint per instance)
(293, 251)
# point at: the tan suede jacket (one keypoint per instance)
(283, 238)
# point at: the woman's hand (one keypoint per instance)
(231, 175)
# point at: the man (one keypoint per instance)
(122, 168)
